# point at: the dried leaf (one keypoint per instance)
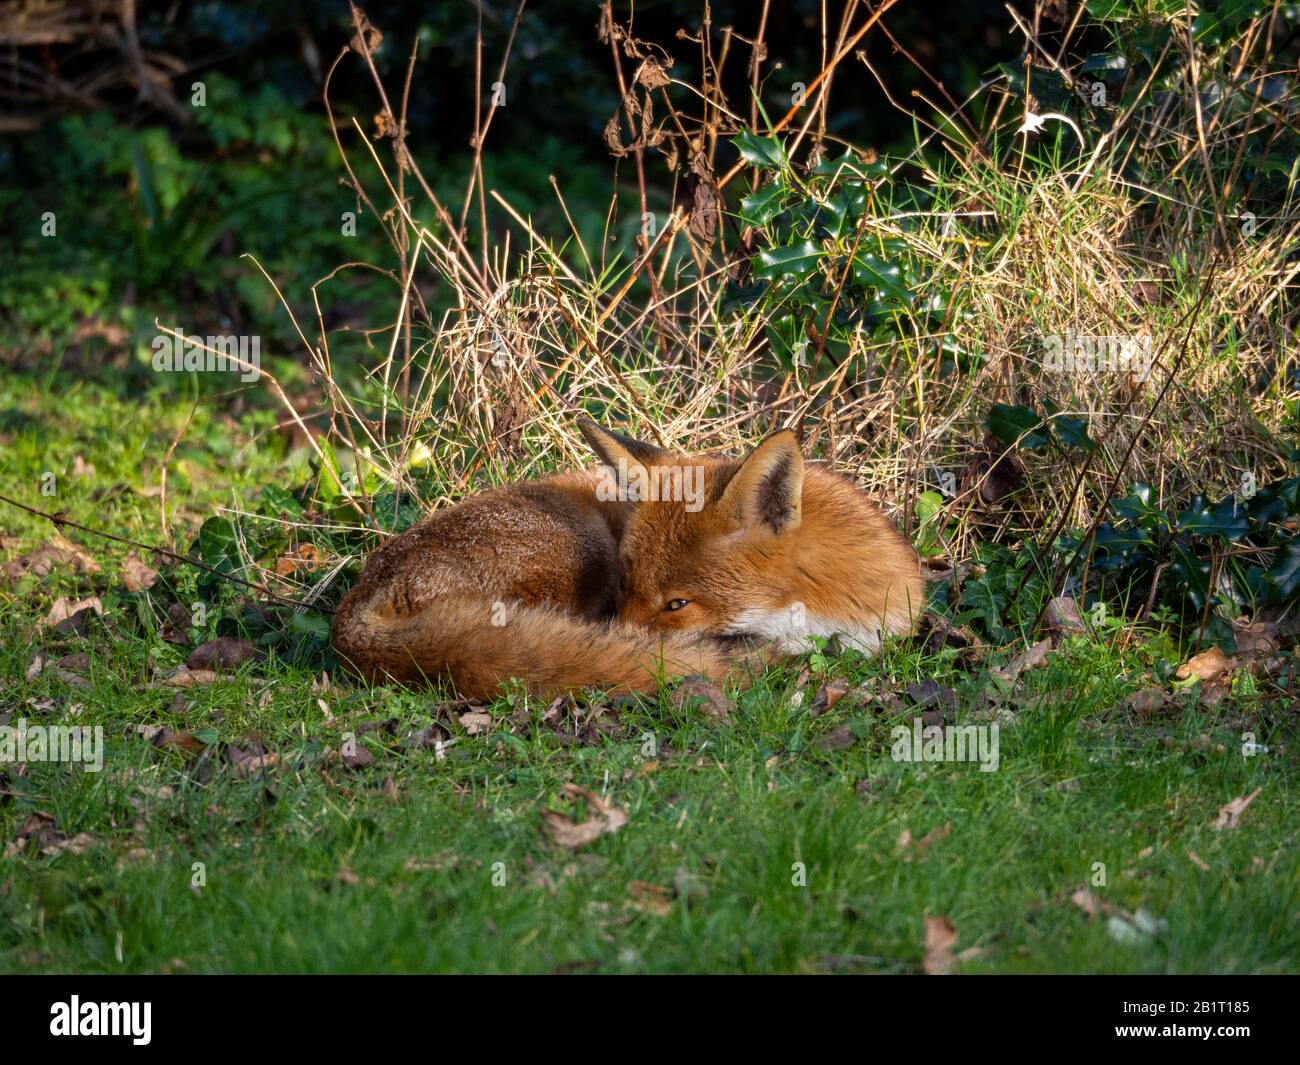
(35, 666)
(1259, 638)
(1087, 902)
(1230, 813)
(1032, 658)
(71, 617)
(59, 553)
(697, 693)
(940, 938)
(475, 722)
(40, 827)
(1062, 615)
(918, 847)
(136, 574)
(652, 75)
(564, 831)
(1205, 666)
(1148, 702)
(828, 695)
(839, 737)
(225, 652)
(927, 693)
(250, 763)
(650, 898)
(191, 678)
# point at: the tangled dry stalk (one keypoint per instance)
(1027, 238)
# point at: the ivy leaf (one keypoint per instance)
(1113, 10)
(1194, 574)
(765, 153)
(1284, 574)
(851, 165)
(217, 541)
(799, 259)
(764, 204)
(1073, 432)
(885, 277)
(1221, 522)
(1118, 547)
(1018, 425)
(1136, 506)
(1104, 62)
(281, 501)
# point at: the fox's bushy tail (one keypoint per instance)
(478, 644)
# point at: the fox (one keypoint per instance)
(654, 563)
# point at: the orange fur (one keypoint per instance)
(776, 540)
(557, 584)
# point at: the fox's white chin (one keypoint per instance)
(791, 629)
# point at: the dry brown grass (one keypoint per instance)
(1047, 237)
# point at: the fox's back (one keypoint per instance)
(535, 542)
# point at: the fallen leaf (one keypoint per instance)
(1062, 615)
(306, 556)
(355, 756)
(475, 722)
(940, 938)
(136, 574)
(191, 678)
(564, 831)
(650, 898)
(1031, 658)
(1205, 666)
(1087, 902)
(225, 652)
(35, 666)
(1230, 813)
(247, 763)
(161, 736)
(1148, 702)
(49, 838)
(918, 847)
(839, 737)
(59, 553)
(70, 616)
(827, 696)
(74, 663)
(928, 693)
(696, 693)
(1258, 638)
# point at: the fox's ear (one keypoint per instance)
(767, 490)
(610, 447)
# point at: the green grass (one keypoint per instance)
(317, 867)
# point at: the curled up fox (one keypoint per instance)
(653, 564)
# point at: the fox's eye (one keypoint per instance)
(676, 604)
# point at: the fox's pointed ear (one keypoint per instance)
(767, 490)
(610, 447)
